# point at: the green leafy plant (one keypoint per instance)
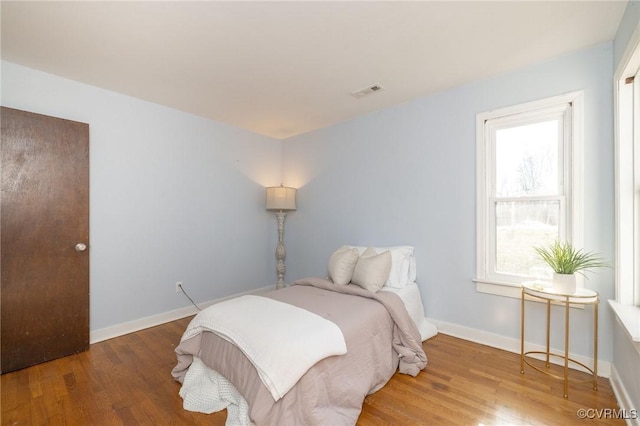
(563, 258)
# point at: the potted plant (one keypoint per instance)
(566, 261)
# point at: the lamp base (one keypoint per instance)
(281, 254)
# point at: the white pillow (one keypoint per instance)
(402, 264)
(412, 270)
(341, 265)
(372, 270)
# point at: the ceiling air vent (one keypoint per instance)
(367, 91)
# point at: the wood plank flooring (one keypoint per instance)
(127, 381)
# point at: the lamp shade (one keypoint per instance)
(281, 198)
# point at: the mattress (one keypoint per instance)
(410, 296)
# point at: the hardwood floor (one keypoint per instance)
(127, 381)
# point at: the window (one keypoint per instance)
(628, 185)
(528, 176)
(627, 303)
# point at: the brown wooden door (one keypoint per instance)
(44, 214)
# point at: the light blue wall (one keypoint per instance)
(173, 197)
(406, 175)
(628, 25)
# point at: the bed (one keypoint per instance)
(381, 331)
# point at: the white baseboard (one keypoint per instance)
(511, 345)
(624, 400)
(154, 320)
(455, 330)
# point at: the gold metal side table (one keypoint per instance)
(546, 294)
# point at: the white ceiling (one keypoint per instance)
(285, 68)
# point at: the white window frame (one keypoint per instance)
(627, 197)
(627, 175)
(487, 280)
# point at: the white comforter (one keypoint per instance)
(207, 391)
(243, 321)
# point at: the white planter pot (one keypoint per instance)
(564, 283)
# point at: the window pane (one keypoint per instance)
(520, 227)
(527, 159)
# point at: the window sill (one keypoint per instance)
(506, 289)
(499, 288)
(629, 317)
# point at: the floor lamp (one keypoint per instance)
(280, 199)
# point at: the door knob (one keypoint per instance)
(81, 247)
